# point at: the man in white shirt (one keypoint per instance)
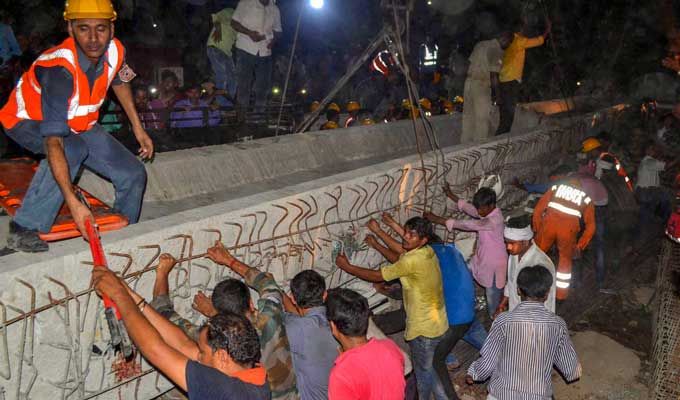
(648, 191)
(257, 24)
(481, 87)
(523, 252)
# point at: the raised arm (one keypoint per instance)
(145, 333)
(124, 95)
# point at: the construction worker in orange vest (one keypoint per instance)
(556, 220)
(353, 108)
(53, 111)
(600, 160)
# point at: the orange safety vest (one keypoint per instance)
(569, 199)
(619, 168)
(83, 106)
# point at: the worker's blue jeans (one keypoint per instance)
(599, 244)
(422, 355)
(249, 68)
(224, 70)
(475, 336)
(99, 152)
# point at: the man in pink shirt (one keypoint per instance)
(366, 369)
(490, 261)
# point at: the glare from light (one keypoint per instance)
(153, 90)
(316, 4)
(303, 91)
(275, 90)
(578, 83)
(155, 25)
(429, 2)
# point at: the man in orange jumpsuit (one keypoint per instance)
(556, 220)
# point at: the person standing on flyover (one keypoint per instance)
(53, 111)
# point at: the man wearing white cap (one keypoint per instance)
(523, 252)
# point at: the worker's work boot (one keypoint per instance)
(25, 240)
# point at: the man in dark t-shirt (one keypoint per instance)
(222, 365)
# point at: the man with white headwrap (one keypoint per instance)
(523, 252)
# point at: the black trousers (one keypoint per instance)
(451, 337)
(509, 93)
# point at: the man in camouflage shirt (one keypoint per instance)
(267, 317)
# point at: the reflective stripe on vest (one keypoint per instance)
(25, 101)
(564, 209)
(569, 200)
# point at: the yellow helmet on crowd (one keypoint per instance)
(367, 121)
(330, 125)
(425, 103)
(314, 106)
(81, 9)
(353, 106)
(448, 106)
(458, 99)
(406, 103)
(590, 144)
(333, 106)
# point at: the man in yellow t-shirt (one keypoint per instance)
(511, 73)
(426, 321)
(220, 43)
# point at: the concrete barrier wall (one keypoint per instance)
(186, 173)
(53, 341)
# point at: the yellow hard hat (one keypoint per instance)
(458, 99)
(426, 103)
(81, 9)
(448, 106)
(353, 106)
(330, 125)
(406, 103)
(367, 121)
(333, 106)
(590, 144)
(314, 106)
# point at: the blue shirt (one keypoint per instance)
(8, 43)
(314, 351)
(459, 289)
(536, 187)
(193, 118)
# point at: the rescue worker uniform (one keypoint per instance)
(60, 95)
(556, 220)
(487, 57)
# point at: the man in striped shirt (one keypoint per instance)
(524, 344)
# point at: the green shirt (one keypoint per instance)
(421, 280)
(276, 357)
(223, 19)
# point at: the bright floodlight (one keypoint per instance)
(318, 4)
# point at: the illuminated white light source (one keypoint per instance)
(578, 83)
(429, 2)
(275, 90)
(153, 90)
(155, 25)
(303, 91)
(318, 4)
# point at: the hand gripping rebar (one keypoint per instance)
(120, 340)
